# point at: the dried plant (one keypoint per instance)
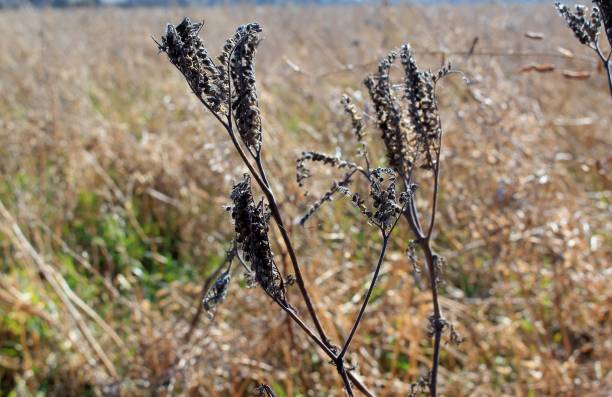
(412, 134)
(90, 112)
(410, 129)
(586, 28)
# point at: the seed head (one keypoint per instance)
(605, 9)
(585, 29)
(251, 226)
(245, 106)
(303, 172)
(422, 109)
(218, 292)
(187, 52)
(385, 199)
(389, 115)
(356, 120)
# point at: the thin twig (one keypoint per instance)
(366, 300)
(358, 384)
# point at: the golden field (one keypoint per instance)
(113, 182)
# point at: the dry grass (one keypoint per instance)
(113, 182)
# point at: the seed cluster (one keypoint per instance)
(385, 200)
(586, 29)
(187, 52)
(245, 105)
(303, 172)
(411, 129)
(251, 226)
(214, 83)
(419, 92)
(384, 197)
(605, 8)
(356, 120)
(218, 292)
(389, 115)
(411, 132)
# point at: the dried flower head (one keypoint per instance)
(386, 201)
(389, 115)
(420, 387)
(605, 9)
(187, 52)
(586, 29)
(454, 336)
(411, 131)
(251, 226)
(356, 120)
(213, 83)
(245, 106)
(422, 109)
(303, 172)
(218, 292)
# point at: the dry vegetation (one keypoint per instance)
(113, 183)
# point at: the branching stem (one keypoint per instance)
(606, 63)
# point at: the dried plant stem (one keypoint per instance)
(287, 241)
(606, 64)
(366, 300)
(339, 360)
(324, 346)
(437, 320)
(434, 198)
(424, 241)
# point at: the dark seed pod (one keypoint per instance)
(245, 105)
(187, 52)
(585, 29)
(605, 8)
(389, 115)
(251, 224)
(422, 109)
(218, 292)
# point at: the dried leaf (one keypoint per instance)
(576, 74)
(565, 52)
(534, 35)
(538, 68)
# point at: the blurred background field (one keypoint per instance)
(113, 182)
